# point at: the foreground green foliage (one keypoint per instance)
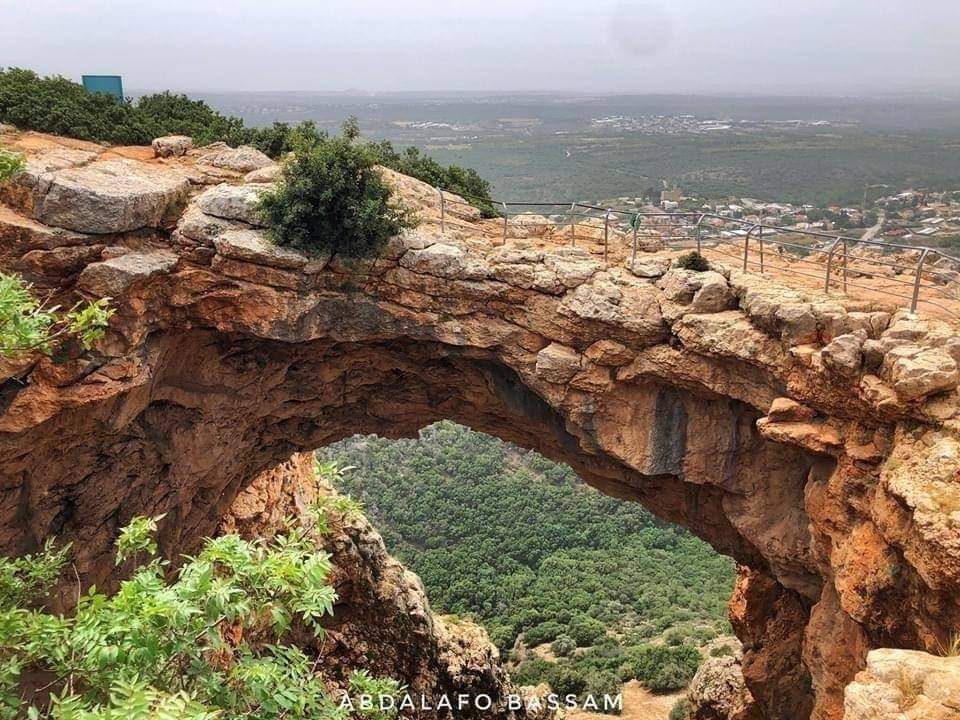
(58, 105)
(28, 325)
(212, 642)
(330, 198)
(11, 164)
(518, 542)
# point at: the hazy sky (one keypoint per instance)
(751, 46)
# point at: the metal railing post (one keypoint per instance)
(746, 246)
(844, 265)
(916, 282)
(606, 233)
(506, 212)
(760, 240)
(573, 223)
(443, 214)
(699, 223)
(633, 256)
(833, 249)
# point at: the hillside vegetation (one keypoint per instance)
(518, 542)
(62, 107)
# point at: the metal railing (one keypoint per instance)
(929, 275)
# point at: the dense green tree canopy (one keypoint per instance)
(521, 544)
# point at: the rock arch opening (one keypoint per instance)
(208, 412)
(813, 439)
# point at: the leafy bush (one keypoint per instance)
(330, 199)
(563, 645)
(673, 637)
(680, 710)
(693, 261)
(585, 630)
(721, 651)
(599, 683)
(543, 633)
(206, 641)
(567, 680)
(11, 164)
(27, 325)
(661, 668)
(532, 671)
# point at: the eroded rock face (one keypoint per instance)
(748, 417)
(905, 685)
(382, 621)
(718, 692)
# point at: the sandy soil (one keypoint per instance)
(638, 704)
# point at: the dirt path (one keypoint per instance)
(638, 704)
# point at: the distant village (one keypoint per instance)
(694, 125)
(912, 217)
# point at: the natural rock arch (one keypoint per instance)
(811, 440)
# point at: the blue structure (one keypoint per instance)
(109, 84)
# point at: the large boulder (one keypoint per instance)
(253, 246)
(112, 277)
(718, 692)
(558, 363)
(109, 196)
(843, 356)
(917, 372)
(233, 202)
(241, 159)
(171, 145)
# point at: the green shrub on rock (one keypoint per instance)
(693, 261)
(212, 640)
(330, 199)
(62, 107)
(28, 325)
(11, 164)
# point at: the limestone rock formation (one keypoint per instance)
(171, 145)
(232, 202)
(382, 621)
(718, 692)
(750, 418)
(243, 159)
(905, 685)
(108, 196)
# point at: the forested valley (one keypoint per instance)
(576, 588)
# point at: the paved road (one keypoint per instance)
(873, 231)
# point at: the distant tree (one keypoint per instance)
(680, 710)
(585, 630)
(563, 645)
